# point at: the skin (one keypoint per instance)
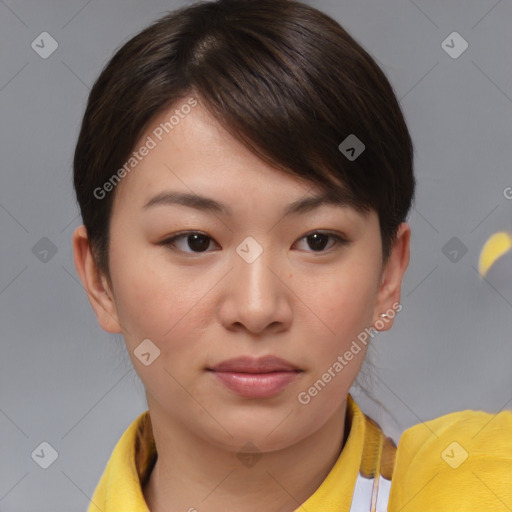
(200, 308)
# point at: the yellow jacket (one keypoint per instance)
(461, 461)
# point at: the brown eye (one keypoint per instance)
(318, 241)
(196, 242)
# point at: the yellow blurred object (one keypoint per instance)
(497, 245)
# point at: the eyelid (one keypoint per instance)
(335, 234)
(169, 242)
(340, 238)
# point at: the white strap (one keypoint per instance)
(362, 497)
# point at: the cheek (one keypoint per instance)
(170, 309)
(344, 301)
(157, 301)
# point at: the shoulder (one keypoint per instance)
(459, 461)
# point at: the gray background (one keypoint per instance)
(65, 381)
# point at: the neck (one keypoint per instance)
(192, 474)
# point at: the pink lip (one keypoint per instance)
(247, 364)
(255, 378)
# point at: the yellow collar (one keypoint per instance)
(133, 458)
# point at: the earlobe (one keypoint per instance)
(391, 279)
(95, 283)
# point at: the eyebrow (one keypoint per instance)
(208, 204)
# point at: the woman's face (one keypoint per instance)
(257, 282)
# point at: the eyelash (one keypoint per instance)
(170, 242)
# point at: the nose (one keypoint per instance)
(255, 294)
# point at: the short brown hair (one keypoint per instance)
(283, 78)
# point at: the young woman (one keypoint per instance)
(244, 174)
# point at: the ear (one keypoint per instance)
(388, 296)
(95, 283)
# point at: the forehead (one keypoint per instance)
(192, 149)
(192, 160)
